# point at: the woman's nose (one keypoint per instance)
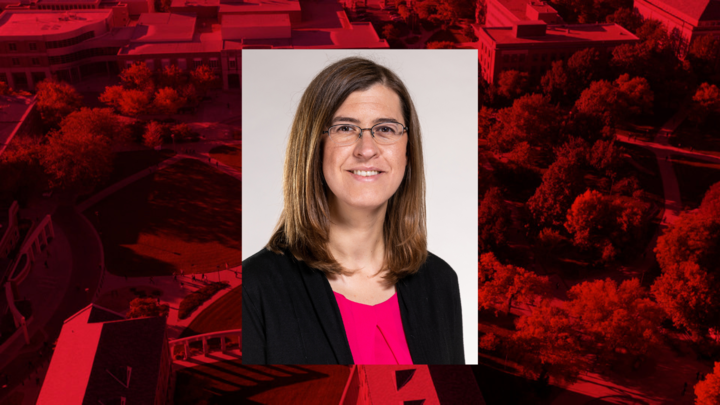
(366, 146)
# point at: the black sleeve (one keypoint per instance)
(458, 353)
(253, 333)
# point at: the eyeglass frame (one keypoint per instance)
(362, 130)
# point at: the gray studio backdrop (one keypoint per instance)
(443, 85)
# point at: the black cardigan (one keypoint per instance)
(290, 315)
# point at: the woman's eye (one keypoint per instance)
(385, 129)
(345, 128)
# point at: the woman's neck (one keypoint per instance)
(356, 237)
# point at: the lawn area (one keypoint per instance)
(694, 177)
(223, 314)
(231, 155)
(232, 382)
(187, 216)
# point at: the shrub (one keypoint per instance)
(489, 342)
(550, 239)
(183, 133)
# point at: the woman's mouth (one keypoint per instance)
(365, 173)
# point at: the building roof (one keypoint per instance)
(322, 15)
(195, 3)
(575, 33)
(100, 314)
(692, 11)
(43, 22)
(519, 7)
(67, 1)
(93, 342)
(360, 35)
(205, 42)
(261, 20)
(133, 345)
(541, 7)
(164, 27)
(11, 116)
(258, 6)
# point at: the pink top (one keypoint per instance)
(375, 332)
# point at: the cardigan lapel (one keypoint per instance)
(416, 337)
(328, 313)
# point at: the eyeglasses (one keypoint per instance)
(384, 133)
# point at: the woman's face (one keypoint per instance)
(346, 167)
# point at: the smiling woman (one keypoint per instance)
(346, 276)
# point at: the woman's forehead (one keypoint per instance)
(377, 102)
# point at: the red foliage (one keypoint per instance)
(615, 316)
(493, 220)
(708, 390)
(500, 284)
(549, 345)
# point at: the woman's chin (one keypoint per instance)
(363, 204)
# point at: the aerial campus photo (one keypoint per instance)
(598, 203)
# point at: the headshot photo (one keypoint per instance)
(359, 196)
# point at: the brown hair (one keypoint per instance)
(304, 222)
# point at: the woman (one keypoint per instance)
(346, 277)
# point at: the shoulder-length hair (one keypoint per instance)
(304, 223)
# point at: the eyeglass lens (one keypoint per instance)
(384, 133)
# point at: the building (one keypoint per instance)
(503, 13)
(98, 38)
(133, 7)
(35, 44)
(187, 40)
(103, 358)
(684, 20)
(532, 46)
(529, 35)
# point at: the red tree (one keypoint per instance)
(100, 121)
(706, 102)
(512, 84)
(689, 257)
(605, 224)
(615, 316)
(692, 238)
(77, 159)
(138, 77)
(710, 205)
(500, 284)
(708, 390)
(153, 135)
(55, 100)
(561, 183)
(531, 118)
(493, 220)
(690, 297)
(168, 101)
(549, 345)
